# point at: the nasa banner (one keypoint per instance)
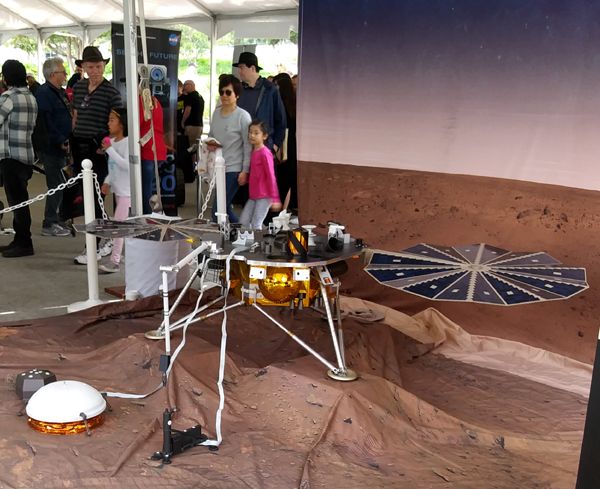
(163, 58)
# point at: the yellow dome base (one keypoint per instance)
(66, 428)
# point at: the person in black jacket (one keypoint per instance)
(286, 169)
(260, 98)
(51, 140)
(78, 75)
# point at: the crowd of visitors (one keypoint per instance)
(60, 123)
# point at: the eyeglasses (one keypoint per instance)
(63, 72)
(225, 92)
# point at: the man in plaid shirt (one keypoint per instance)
(18, 111)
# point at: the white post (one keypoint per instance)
(221, 187)
(89, 197)
(166, 313)
(213, 64)
(132, 102)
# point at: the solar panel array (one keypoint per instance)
(476, 273)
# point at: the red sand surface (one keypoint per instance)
(413, 419)
(395, 209)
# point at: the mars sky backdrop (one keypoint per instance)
(506, 89)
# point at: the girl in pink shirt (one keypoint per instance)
(262, 189)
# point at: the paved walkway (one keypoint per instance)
(44, 284)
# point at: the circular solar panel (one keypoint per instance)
(476, 273)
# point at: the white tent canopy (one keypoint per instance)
(88, 18)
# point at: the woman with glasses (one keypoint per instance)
(229, 125)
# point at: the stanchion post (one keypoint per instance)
(221, 186)
(90, 240)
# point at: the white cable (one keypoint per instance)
(222, 355)
(187, 322)
(124, 395)
(218, 416)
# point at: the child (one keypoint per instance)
(117, 149)
(262, 184)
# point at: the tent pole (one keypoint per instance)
(40, 55)
(213, 64)
(132, 103)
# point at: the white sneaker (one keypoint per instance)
(108, 266)
(82, 259)
(105, 247)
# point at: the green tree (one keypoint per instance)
(67, 47)
(194, 44)
(103, 38)
(227, 40)
(24, 43)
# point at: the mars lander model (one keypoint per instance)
(279, 267)
(292, 267)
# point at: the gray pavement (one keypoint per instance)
(44, 284)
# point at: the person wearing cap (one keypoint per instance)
(51, 140)
(32, 83)
(18, 112)
(93, 99)
(261, 99)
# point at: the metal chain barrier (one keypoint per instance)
(40, 197)
(59, 188)
(99, 196)
(211, 186)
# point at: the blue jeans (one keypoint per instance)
(53, 165)
(148, 184)
(254, 212)
(231, 187)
